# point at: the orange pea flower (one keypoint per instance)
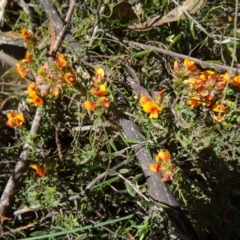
(194, 102)
(208, 75)
(25, 34)
(236, 81)
(21, 70)
(61, 60)
(91, 106)
(99, 75)
(15, 119)
(31, 90)
(144, 99)
(223, 80)
(163, 164)
(195, 81)
(19, 120)
(105, 102)
(226, 77)
(34, 97)
(152, 108)
(40, 171)
(219, 107)
(36, 100)
(99, 72)
(99, 91)
(163, 156)
(69, 78)
(155, 167)
(189, 65)
(28, 57)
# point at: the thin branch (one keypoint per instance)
(64, 28)
(204, 64)
(20, 168)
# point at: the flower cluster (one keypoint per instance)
(164, 165)
(15, 119)
(99, 92)
(51, 80)
(150, 106)
(65, 71)
(30, 41)
(40, 171)
(205, 89)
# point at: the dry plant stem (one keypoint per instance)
(24, 210)
(19, 229)
(195, 6)
(64, 28)
(3, 4)
(6, 39)
(70, 11)
(7, 59)
(27, 10)
(234, 49)
(19, 170)
(30, 225)
(204, 64)
(52, 15)
(25, 7)
(58, 142)
(58, 25)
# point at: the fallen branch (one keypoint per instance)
(20, 168)
(203, 64)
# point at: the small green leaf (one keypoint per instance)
(174, 40)
(137, 177)
(112, 172)
(38, 233)
(225, 41)
(124, 170)
(147, 203)
(142, 53)
(130, 190)
(113, 145)
(192, 29)
(83, 236)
